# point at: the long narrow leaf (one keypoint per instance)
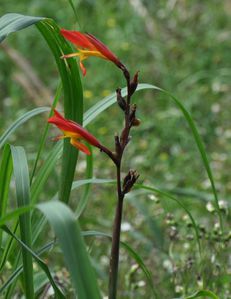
(132, 253)
(43, 266)
(201, 294)
(44, 172)
(73, 98)
(13, 22)
(45, 132)
(197, 140)
(22, 184)
(76, 257)
(21, 120)
(169, 196)
(13, 277)
(5, 176)
(89, 173)
(110, 100)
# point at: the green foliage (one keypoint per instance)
(68, 232)
(22, 185)
(180, 46)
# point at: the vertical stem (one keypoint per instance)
(114, 258)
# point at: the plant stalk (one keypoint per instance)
(114, 259)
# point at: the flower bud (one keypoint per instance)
(136, 122)
(134, 83)
(120, 100)
(130, 180)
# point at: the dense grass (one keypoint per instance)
(183, 47)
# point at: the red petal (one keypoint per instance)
(77, 38)
(102, 48)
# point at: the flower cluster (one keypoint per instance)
(87, 45)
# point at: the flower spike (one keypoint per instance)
(74, 131)
(88, 45)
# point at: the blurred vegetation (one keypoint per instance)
(184, 47)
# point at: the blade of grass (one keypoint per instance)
(76, 257)
(7, 249)
(14, 214)
(75, 13)
(197, 140)
(132, 253)
(45, 132)
(43, 266)
(21, 175)
(73, 98)
(13, 277)
(108, 101)
(105, 103)
(5, 176)
(21, 120)
(89, 173)
(201, 293)
(13, 22)
(44, 172)
(68, 70)
(169, 196)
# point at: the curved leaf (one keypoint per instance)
(169, 196)
(21, 120)
(5, 176)
(43, 266)
(203, 293)
(76, 257)
(132, 253)
(197, 140)
(73, 98)
(22, 184)
(13, 22)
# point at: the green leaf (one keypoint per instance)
(197, 139)
(73, 98)
(169, 196)
(68, 69)
(5, 176)
(105, 103)
(44, 171)
(203, 293)
(132, 253)
(94, 111)
(43, 266)
(21, 120)
(89, 173)
(22, 184)
(14, 214)
(45, 132)
(13, 277)
(13, 22)
(75, 254)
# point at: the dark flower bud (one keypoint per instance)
(117, 144)
(120, 100)
(136, 122)
(134, 83)
(130, 180)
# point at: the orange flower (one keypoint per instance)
(73, 131)
(88, 45)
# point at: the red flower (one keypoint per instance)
(73, 131)
(88, 45)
